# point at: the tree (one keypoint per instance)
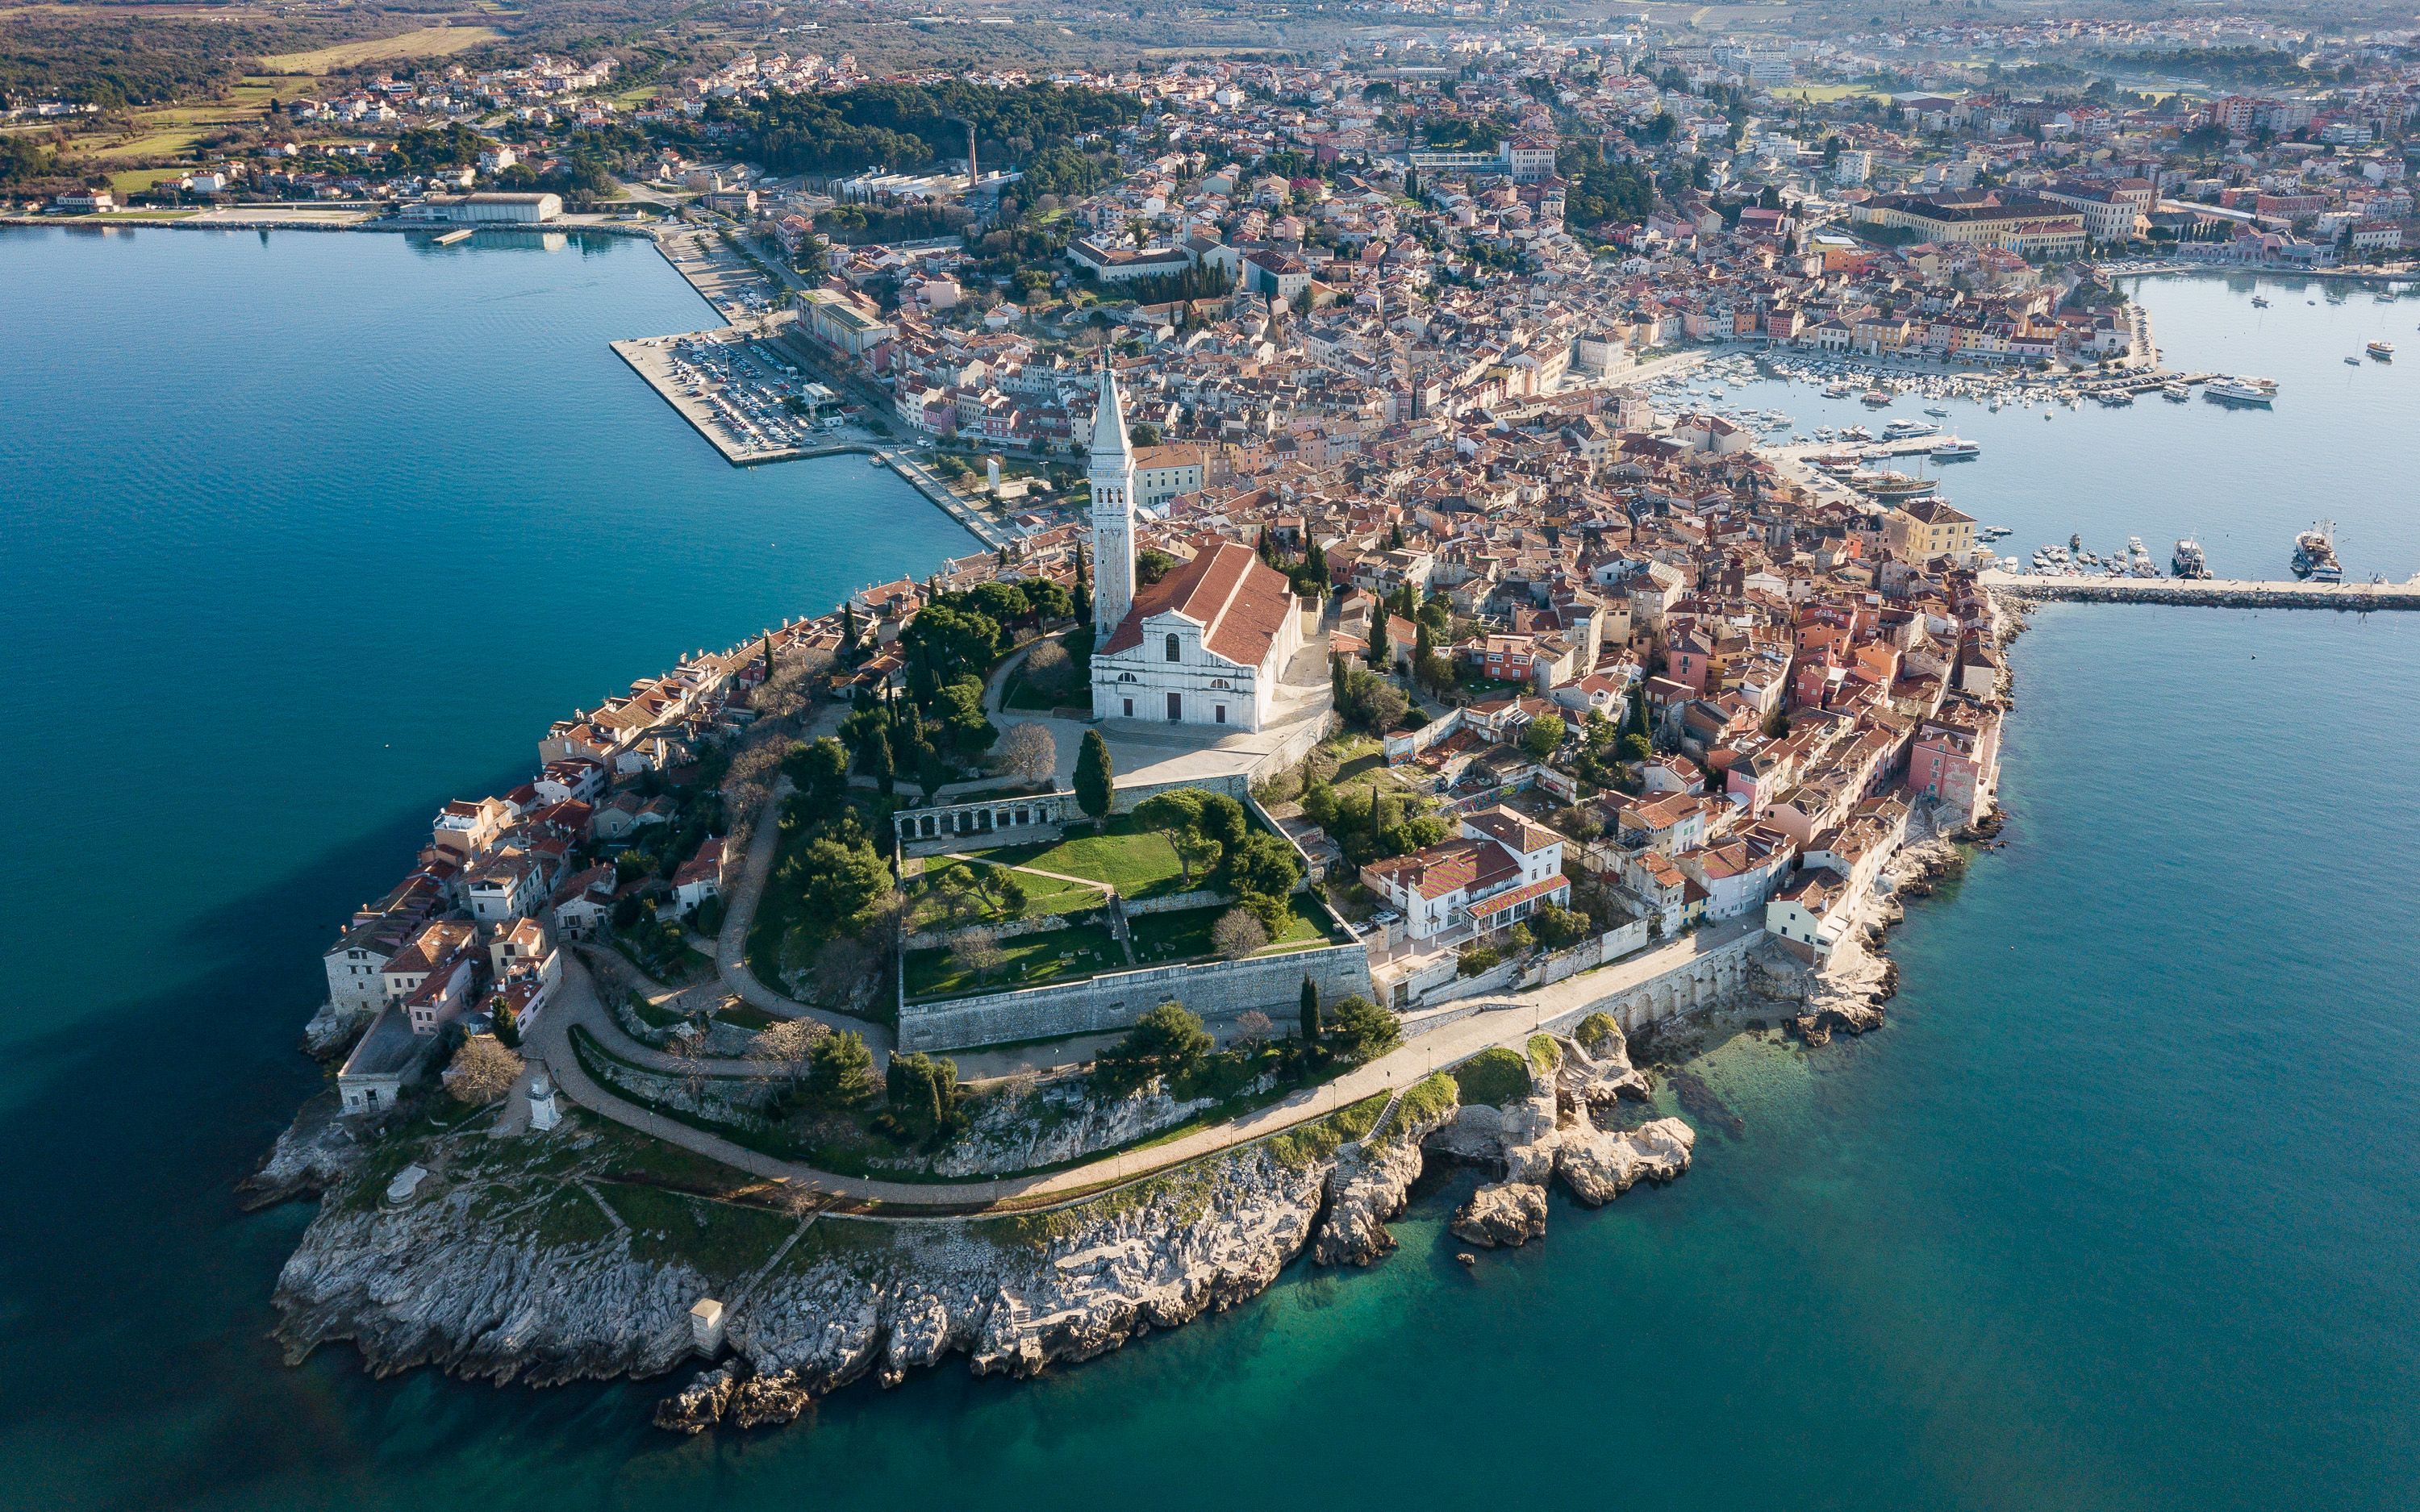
(1559, 927)
(1364, 1031)
(1029, 752)
(1178, 815)
(1382, 653)
(1309, 1012)
(1253, 1030)
(1238, 934)
(1144, 433)
(1544, 736)
(1095, 776)
(923, 1094)
(819, 770)
(1263, 866)
(976, 952)
(481, 1072)
(875, 760)
(843, 967)
(1049, 671)
(1151, 564)
(840, 883)
(784, 1045)
(507, 1025)
(1167, 1042)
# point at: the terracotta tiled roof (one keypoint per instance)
(1239, 601)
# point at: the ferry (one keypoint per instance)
(2315, 554)
(1892, 484)
(2237, 391)
(2382, 350)
(1954, 450)
(1899, 430)
(2187, 560)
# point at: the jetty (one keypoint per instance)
(2208, 593)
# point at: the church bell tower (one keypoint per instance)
(1111, 467)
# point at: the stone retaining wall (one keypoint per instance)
(1717, 977)
(1114, 1000)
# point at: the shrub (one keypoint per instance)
(1595, 1031)
(1496, 1076)
(1480, 958)
(1545, 1054)
(1560, 927)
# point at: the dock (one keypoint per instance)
(652, 359)
(2360, 598)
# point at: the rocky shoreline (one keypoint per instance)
(484, 1277)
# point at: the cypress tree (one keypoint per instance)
(1095, 776)
(1380, 652)
(1083, 587)
(1309, 1012)
(1422, 649)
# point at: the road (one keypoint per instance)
(1507, 1021)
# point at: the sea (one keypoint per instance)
(303, 534)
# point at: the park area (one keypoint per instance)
(971, 899)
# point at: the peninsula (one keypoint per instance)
(1396, 688)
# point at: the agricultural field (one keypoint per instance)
(426, 41)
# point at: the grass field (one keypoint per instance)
(1139, 862)
(427, 41)
(1184, 934)
(1029, 961)
(1043, 895)
(1822, 94)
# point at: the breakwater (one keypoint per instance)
(2207, 593)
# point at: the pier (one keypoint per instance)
(2206, 592)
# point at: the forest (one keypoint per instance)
(907, 127)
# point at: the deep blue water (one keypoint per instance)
(304, 535)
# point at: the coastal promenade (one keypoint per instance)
(2207, 593)
(1505, 1021)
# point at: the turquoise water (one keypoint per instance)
(2114, 1213)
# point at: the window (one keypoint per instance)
(1176, 705)
(1174, 648)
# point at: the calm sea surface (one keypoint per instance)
(301, 535)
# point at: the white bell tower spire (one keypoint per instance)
(1112, 470)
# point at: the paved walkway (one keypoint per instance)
(1507, 1021)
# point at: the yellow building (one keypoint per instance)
(1920, 529)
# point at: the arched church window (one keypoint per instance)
(1173, 649)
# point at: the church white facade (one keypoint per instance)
(1208, 643)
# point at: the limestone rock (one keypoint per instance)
(701, 1404)
(320, 1149)
(1503, 1212)
(1595, 1077)
(1596, 1166)
(1372, 1183)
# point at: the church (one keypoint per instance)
(1208, 643)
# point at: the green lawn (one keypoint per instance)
(1184, 934)
(1056, 955)
(1139, 862)
(1043, 895)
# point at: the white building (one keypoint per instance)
(1206, 644)
(1499, 871)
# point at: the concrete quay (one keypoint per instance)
(2206, 592)
(652, 359)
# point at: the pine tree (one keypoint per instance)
(1309, 1012)
(1095, 776)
